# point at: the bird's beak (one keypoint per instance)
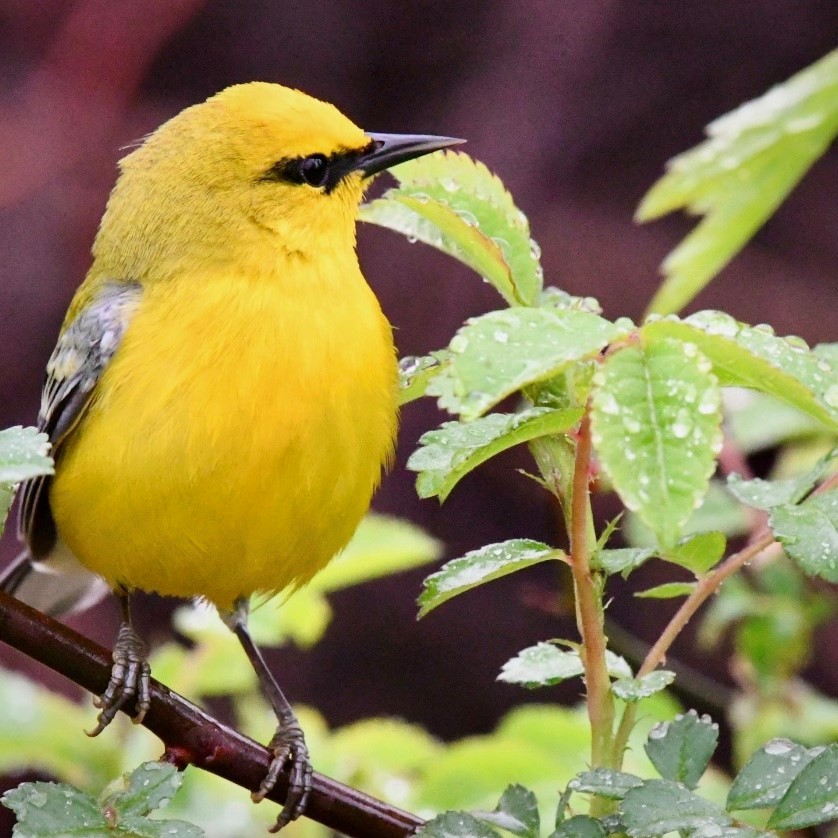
(389, 149)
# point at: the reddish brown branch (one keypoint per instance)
(191, 736)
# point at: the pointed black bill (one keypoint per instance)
(389, 149)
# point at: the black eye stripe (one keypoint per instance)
(338, 165)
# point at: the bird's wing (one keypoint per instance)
(84, 349)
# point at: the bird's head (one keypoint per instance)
(256, 165)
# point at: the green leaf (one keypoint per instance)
(661, 806)
(44, 810)
(457, 205)
(621, 560)
(656, 423)
(483, 565)
(382, 545)
(149, 787)
(668, 590)
(754, 357)
(415, 372)
(813, 795)
(450, 452)
(580, 826)
(634, 689)
(698, 552)
(516, 812)
(753, 158)
(455, 825)
(766, 494)
(497, 354)
(552, 297)
(681, 749)
(541, 665)
(809, 534)
(605, 782)
(24, 453)
(767, 775)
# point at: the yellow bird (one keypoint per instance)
(222, 396)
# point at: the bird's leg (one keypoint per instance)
(130, 674)
(288, 744)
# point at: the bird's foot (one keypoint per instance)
(130, 677)
(288, 747)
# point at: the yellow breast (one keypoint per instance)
(235, 440)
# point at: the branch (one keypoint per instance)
(190, 735)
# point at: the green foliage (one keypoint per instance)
(490, 562)
(656, 427)
(24, 453)
(448, 454)
(753, 158)
(455, 204)
(55, 809)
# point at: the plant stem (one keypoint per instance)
(707, 586)
(589, 607)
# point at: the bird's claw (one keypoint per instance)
(288, 747)
(130, 677)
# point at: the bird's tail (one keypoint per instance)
(55, 587)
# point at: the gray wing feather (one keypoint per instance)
(82, 353)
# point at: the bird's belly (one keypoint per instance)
(231, 450)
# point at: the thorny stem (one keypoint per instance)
(705, 588)
(589, 607)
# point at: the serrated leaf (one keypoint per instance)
(668, 590)
(813, 795)
(754, 357)
(766, 494)
(136, 827)
(767, 775)
(809, 534)
(457, 205)
(580, 826)
(454, 449)
(681, 749)
(697, 552)
(149, 787)
(605, 782)
(544, 664)
(621, 560)
(753, 158)
(541, 665)
(414, 374)
(483, 565)
(516, 812)
(634, 689)
(661, 806)
(713, 830)
(497, 354)
(656, 422)
(455, 825)
(52, 810)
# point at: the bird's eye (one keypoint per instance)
(314, 169)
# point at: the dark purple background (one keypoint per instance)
(575, 105)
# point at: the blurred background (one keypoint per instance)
(576, 106)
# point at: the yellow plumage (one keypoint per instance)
(235, 439)
(222, 397)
